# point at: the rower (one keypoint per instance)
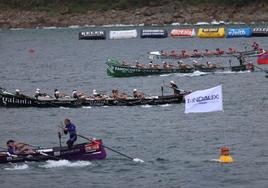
(138, 94)
(95, 93)
(151, 64)
(241, 59)
(75, 94)
(56, 93)
(207, 52)
(71, 129)
(19, 94)
(219, 52)
(182, 65)
(196, 53)
(184, 54)
(255, 46)
(138, 65)
(210, 65)
(225, 156)
(119, 95)
(16, 148)
(173, 53)
(37, 94)
(165, 65)
(124, 63)
(174, 87)
(231, 50)
(196, 64)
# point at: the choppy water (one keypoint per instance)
(177, 148)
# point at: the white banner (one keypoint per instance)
(209, 100)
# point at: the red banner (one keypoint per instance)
(263, 58)
(182, 32)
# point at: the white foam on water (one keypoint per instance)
(50, 27)
(165, 105)
(164, 75)
(65, 163)
(198, 73)
(138, 160)
(195, 73)
(215, 160)
(146, 106)
(232, 72)
(74, 26)
(61, 107)
(105, 106)
(16, 29)
(86, 107)
(18, 167)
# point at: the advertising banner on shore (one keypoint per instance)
(186, 32)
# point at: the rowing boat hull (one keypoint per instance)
(115, 69)
(10, 100)
(81, 152)
(158, 55)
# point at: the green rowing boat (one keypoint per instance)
(116, 69)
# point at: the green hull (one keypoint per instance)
(115, 69)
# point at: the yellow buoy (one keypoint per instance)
(225, 156)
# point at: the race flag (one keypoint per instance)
(209, 100)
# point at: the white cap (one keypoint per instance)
(172, 82)
(208, 62)
(195, 61)
(134, 90)
(37, 89)
(163, 62)
(74, 91)
(94, 92)
(17, 90)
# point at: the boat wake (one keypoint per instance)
(165, 105)
(65, 163)
(146, 106)
(215, 160)
(86, 107)
(232, 72)
(17, 167)
(61, 107)
(195, 73)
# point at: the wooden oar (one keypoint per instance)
(122, 154)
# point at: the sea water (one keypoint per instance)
(177, 148)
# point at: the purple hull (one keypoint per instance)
(84, 151)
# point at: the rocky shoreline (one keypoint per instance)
(158, 15)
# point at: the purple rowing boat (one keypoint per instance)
(83, 151)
